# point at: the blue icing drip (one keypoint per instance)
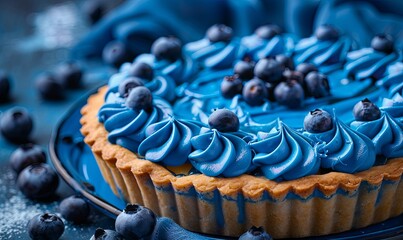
(386, 133)
(258, 48)
(168, 141)
(217, 153)
(284, 153)
(344, 149)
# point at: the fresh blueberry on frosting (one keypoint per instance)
(317, 85)
(224, 120)
(45, 226)
(318, 121)
(116, 53)
(26, 155)
(285, 61)
(140, 98)
(306, 68)
(4, 86)
(255, 92)
(326, 32)
(268, 31)
(383, 43)
(135, 222)
(141, 70)
(244, 69)
(366, 110)
(289, 75)
(231, 86)
(268, 70)
(219, 33)
(128, 84)
(16, 125)
(289, 93)
(255, 233)
(167, 48)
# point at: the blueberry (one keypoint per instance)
(285, 61)
(16, 125)
(231, 86)
(270, 91)
(289, 93)
(140, 98)
(306, 68)
(268, 70)
(383, 43)
(223, 120)
(94, 10)
(116, 53)
(106, 234)
(255, 233)
(318, 121)
(5, 86)
(128, 84)
(366, 110)
(317, 85)
(244, 69)
(49, 87)
(141, 70)
(45, 226)
(254, 92)
(26, 155)
(268, 31)
(219, 33)
(135, 222)
(69, 74)
(38, 181)
(293, 75)
(74, 209)
(167, 48)
(326, 32)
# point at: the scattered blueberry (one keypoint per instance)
(254, 92)
(383, 43)
(106, 234)
(38, 181)
(45, 226)
(16, 125)
(318, 121)
(293, 75)
(268, 70)
(94, 10)
(366, 110)
(219, 33)
(289, 93)
(4, 86)
(306, 68)
(285, 61)
(141, 70)
(231, 86)
(140, 98)
(268, 31)
(135, 222)
(26, 155)
(270, 91)
(116, 53)
(326, 32)
(69, 74)
(167, 48)
(223, 120)
(244, 69)
(255, 233)
(128, 84)
(317, 85)
(49, 87)
(74, 209)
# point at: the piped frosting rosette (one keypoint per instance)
(394, 106)
(285, 153)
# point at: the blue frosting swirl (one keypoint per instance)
(285, 153)
(217, 153)
(327, 55)
(257, 47)
(393, 106)
(386, 133)
(344, 150)
(168, 141)
(125, 126)
(393, 76)
(214, 55)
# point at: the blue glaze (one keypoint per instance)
(217, 153)
(168, 141)
(386, 133)
(343, 149)
(284, 153)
